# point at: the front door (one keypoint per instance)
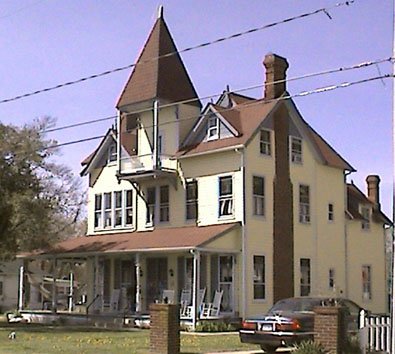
(156, 279)
(128, 285)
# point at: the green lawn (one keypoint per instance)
(46, 340)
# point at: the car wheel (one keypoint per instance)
(269, 348)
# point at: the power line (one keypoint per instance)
(301, 94)
(305, 76)
(206, 44)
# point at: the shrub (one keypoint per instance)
(309, 347)
(217, 326)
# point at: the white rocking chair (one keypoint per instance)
(202, 293)
(212, 309)
(185, 301)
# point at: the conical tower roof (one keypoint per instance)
(155, 77)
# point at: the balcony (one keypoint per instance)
(141, 167)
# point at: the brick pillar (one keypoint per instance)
(165, 329)
(330, 329)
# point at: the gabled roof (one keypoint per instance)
(153, 77)
(93, 159)
(158, 239)
(355, 197)
(247, 118)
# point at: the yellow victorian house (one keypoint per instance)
(242, 199)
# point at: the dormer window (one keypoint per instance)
(212, 128)
(296, 150)
(365, 212)
(112, 153)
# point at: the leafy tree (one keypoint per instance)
(40, 199)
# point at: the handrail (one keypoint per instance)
(91, 303)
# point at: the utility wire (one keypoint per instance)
(206, 44)
(257, 102)
(309, 75)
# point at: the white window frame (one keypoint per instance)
(117, 208)
(259, 280)
(98, 211)
(108, 216)
(258, 199)
(304, 205)
(151, 206)
(265, 145)
(212, 128)
(112, 153)
(366, 282)
(225, 200)
(128, 207)
(296, 147)
(103, 213)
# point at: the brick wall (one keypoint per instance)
(165, 329)
(329, 328)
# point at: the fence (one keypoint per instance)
(375, 332)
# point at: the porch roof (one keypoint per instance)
(161, 239)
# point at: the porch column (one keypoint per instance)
(54, 287)
(20, 292)
(195, 286)
(96, 283)
(138, 283)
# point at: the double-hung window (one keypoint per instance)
(225, 196)
(305, 277)
(129, 208)
(98, 211)
(113, 209)
(164, 204)
(259, 278)
(365, 212)
(265, 142)
(191, 200)
(331, 279)
(259, 195)
(151, 191)
(331, 212)
(212, 128)
(367, 282)
(112, 153)
(118, 208)
(296, 150)
(304, 204)
(107, 210)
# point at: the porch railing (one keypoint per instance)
(375, 332)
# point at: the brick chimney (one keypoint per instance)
(276, 68)
(373, 182)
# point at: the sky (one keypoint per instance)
(49, 42)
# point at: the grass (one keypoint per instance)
(46, 340)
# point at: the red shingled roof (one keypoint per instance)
(246, 119)
(164, 78)
(161, 238)
(355, 197)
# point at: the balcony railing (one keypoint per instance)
(146, 163)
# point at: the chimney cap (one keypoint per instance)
(373, 179)
(275, 59)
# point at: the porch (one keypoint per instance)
(120, 275)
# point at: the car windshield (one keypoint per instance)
(295, 305)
